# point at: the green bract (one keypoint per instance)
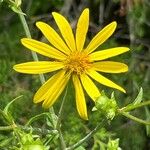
(106, 106)
(113, 145)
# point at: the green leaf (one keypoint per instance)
(148, 119)
(10, 103)
(52, 121)
(3, 114)
(5, 142)
(80, 148)
(16, 9)
(139, 97)
(94, 109)
(18, 2)
(112, 95)
(37, 117)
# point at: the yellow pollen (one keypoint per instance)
(77, 62)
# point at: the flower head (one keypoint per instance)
(72, 60)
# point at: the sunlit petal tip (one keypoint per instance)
(127, 68)
(39, 24)
(86, 10)
(38, 99)
(45, 106)
(85, 117)
(127, 48)
(15, 67)
(123, 90)
(55, 14)
(35, 100)
(114, 23)
(23, 40)
(82, 113)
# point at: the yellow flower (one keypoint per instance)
(72, 61)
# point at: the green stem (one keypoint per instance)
(10, 127)
(62, 142)
(126, 114)
(3, 114)
(61, 109)
(37, 117)
(28, 34)
(58, 124)
(128, 108)
(88, 136)
(39, 130)
(5, 128)
(14, 127)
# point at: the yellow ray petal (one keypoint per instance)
(110, 67)
(80, 99)
(55, 90)
(82, 28)
(101, 79)
(42, 49)
(53, 37)
(101, 37)
(89, 87)
(43, 91)
(108, 53)
(65, 30)
(38, 67)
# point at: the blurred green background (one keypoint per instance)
(133, 31)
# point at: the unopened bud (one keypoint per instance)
(113, 145)
(106, 106)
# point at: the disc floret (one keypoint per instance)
(77, 62)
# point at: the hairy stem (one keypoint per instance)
(135, 118)
(58, 124)
(28, 34)
(62, 142)
(5, 128)
(88, 136)
(128, 108)
(61, 109)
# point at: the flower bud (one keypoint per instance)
(113, 145)
(106, 106)
(31, 142)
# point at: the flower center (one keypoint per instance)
(77, 62)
